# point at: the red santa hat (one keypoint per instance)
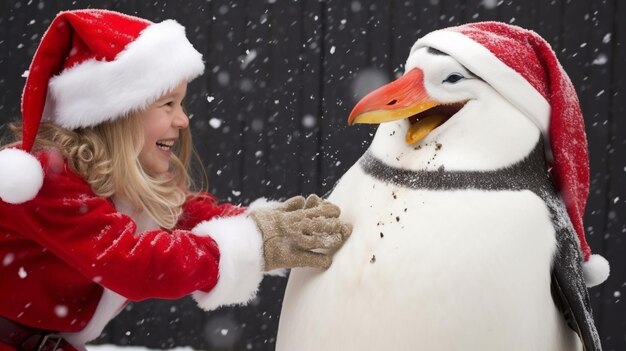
(523, 68)
(93, 66)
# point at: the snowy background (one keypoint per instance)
(268, 118)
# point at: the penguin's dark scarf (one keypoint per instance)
(568, 286)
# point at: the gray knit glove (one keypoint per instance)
(296, 227)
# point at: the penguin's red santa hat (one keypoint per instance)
(93, 66)
(523, 68)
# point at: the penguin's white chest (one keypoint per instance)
(429, 270)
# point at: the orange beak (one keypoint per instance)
(399, 99)
(402, 98)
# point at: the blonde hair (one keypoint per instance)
(106, 156)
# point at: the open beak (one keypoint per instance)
(404, 98)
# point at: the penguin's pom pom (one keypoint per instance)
(595, 270)
(21, 176)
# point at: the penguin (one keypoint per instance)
(461, 239)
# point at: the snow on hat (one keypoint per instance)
(93, 66)
(523, 68)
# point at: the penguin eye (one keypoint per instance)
(453, 78)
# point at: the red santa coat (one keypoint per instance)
(63, 250)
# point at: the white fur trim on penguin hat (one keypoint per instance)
(21, 176)
(482, 62)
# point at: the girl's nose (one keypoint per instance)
(181, 120)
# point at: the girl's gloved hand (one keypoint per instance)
(296, 227)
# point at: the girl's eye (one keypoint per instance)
(453, 78)
(169, 103)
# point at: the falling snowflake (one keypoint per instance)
(490, 4)
(223, 78)
(60, 311)
(215, 123)
(250, 56)
(366, 81)
(309, 121)
(601, 59)
(8, 258)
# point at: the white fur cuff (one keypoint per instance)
(241, 261)
(262, 203)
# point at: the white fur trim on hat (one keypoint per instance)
(97, 91)
(241, 261)
(482, 62)
(595, 270)
(21, 176)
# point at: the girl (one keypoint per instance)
(96, 208)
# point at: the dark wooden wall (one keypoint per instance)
(281, 79)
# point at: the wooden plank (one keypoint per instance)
(379, 46)
(284, 118)
(7, 99)
(274, 72)
(404, 32)
(197, 19)
(371, 24)
(548, 22)
(516, 13)
(9, 81)
(20, 49)
(576, 30)
(474, 11)
(429, 13)
(225, 142)
(596, 102)
(345, 37)
(614, 306)
(575, 56)
(452, 13)
(253, 87)
(368, 24)
(566, 28)
(481, 10)
(224, 132)
(311, 93)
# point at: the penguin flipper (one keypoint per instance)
(569, 291)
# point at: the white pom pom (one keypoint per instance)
(21, 176)
(595, 270)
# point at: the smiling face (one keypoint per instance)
(433, 89)
(439, 115)
(162, 122)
